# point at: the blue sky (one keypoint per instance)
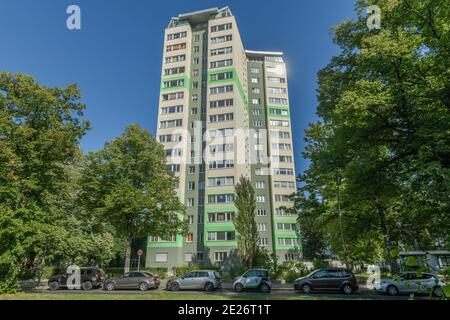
(116, 58)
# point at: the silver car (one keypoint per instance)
(411, 282)
(255, 279)
(133, 280)
(196, 280)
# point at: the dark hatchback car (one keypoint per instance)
(91, 278)
(133, 280)
(329, 279)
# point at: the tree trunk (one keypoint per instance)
(386, 239)
(128, 255)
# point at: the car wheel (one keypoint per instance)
(174, 287)
(347, 289)
(306, 288)
(53, 286)
(86, 286)
(392, 290)
(209, 286)
(265, 288)
(239, 287)
(438, 292)
(143, 286)
(110, 286)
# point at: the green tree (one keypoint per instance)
(384, 111)
(245, 224)
(40, 129)
(127, 184)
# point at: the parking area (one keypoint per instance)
(279, 291)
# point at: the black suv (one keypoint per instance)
(90, 278)
(329, 279)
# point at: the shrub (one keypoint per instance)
(291, 270)
(160, 272)
(179, 271)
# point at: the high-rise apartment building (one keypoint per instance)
(224, 112)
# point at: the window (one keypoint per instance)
(280, 134)
(170, 138)
(277, 90)
(276, 80)
(283, 171)
(282, 159)
(274, 59)
(195, 73)
(190, 237)
(281, 101)
(220, 216)
(221, 39)
(221, 133)
(173, 109)
(220, 256)
(260, 184)
(262, 226)
(279, 123)
(256, 101)
(178, 35)
(196, 48)
(287, 241)
(281, 146)
(171, 123)
(279, 112)
(190, 202)
(221, 103)
(223, 164)
(263, 242)
(255, 80)
(191, 185)
(221, 148)
(290, 256)
(221, 181)
(256, 112)
(221, 63)
(221, 117)
(286, 226)
(258, 123)
(221, 76)
(159, 239)
(220, 198)
(284, 185)
(161, 257)
(221, 89)
(261, 212)
(221, 236)
(254, 70)
(172, 71)
(256, 90)
(188, 257)
(173, 152)
(173, 167)
(199, 256)
(259, 172)
(260, 199)
(190, 219)
(222, 27)
(173, 96)
(178, 58)
(175, 47)
(282, 212)
(217, 52)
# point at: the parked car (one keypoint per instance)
(412, 282)
(207, 280)
(133, 280)
(91, 278)
(254, 279)
(329, 279)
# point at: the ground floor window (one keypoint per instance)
(161, 257)
(220, 256)
(188, 257)
(199, 256)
